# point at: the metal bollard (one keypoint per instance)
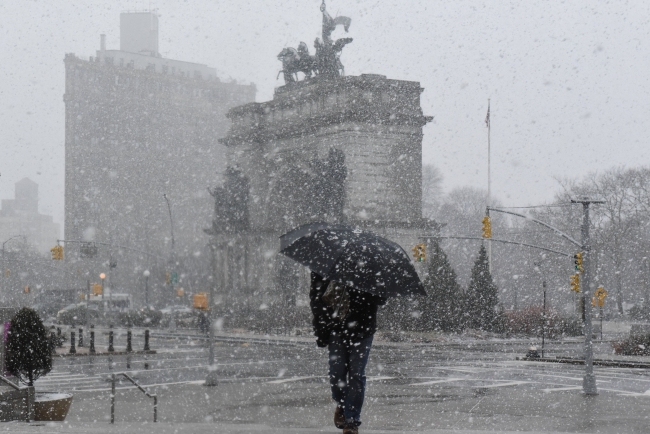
(91, 350)
(146, 341)
(52, 342)
(129, 348)
(111, 349)
(73, 350)
(81, 338)
(112, 398)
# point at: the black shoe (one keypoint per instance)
(351, 428)
(339, 417)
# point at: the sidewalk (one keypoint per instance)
(202, 428)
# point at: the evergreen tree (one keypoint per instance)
(443, 305)
(28, 347)
(481, 298)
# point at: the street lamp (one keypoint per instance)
(102, 276)
(146, 275)
(5, 242)
(172, 323)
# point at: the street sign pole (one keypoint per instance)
(211, 379)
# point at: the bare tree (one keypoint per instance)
(431, 190)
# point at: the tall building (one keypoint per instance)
(139, 126)
(20, 219)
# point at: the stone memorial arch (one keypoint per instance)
(326, 148)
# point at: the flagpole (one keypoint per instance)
(489, 198)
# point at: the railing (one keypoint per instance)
(155, 398)
(29, 397)
(11, 383)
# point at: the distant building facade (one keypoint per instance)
(19, 217)
(139, 126)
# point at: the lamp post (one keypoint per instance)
(102, 276)
(538, 267)
(172, 323)
(3, 248)
(146, 275)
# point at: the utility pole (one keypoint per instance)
(589, 380)
(489, 198)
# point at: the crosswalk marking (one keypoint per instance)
(511, 383)
(560, 389)
(289, 380)
(426, 383)
(379, 378)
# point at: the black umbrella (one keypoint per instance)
(358, 258)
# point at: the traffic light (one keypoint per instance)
(420, 252)
(575, 282)
(26, 289)
(200, 301)
(487, 227)
(168, 278)
(57, 253)
(577, 260)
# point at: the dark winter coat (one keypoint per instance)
(360, 323)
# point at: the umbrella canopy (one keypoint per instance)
(358, 258)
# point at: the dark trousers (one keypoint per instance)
(348, 374)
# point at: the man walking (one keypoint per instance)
(345, 321)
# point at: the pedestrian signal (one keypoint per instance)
(487, 227)
(57, 253)
(575, 282)
(420, 252)
(577, 260)
(26, 289)
(599, 297)
(180, 292)
(97, 289)
(200, 301)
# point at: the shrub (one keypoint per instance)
(28, 347)
(638, 345)
(529, 321)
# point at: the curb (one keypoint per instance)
(605, 363)
(104, 353)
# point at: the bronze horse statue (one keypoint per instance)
(296, 60)
(326, 63)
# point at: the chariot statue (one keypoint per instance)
(326, 63)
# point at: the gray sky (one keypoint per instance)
(568, 80)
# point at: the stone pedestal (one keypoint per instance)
(346, 150)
